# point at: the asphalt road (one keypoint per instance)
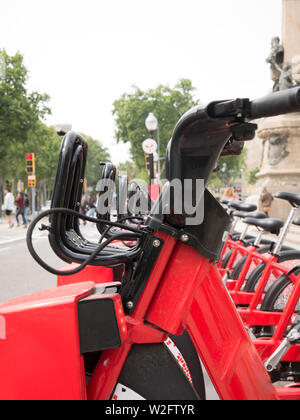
(19, 272)
(21, 275)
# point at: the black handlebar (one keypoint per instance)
(277, 103)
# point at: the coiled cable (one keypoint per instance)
(132, 232)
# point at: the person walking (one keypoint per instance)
(266, 199)
(84, 207)
(8, 206)
(20, 204)
(91, 206)
(229, 194)
(26, 211)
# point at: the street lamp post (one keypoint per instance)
(152, 126)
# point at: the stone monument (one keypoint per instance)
(276, 150)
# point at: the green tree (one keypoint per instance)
(229, 170)
(96, 153)
(22, 131)
(251, 176)
(20, 112)
(168, 104)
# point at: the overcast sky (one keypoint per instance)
(86, 54)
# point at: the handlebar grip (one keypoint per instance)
(277, 103)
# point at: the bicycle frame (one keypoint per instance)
(282, 320)
(178, 295)
(251, 314)
(197, 320)
(235, 286)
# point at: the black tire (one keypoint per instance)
(255, 275)
(152, 372)
(278, 294)
(275, 301)
(254, 278)
(239, 265)
(226, 259)
(191, 357)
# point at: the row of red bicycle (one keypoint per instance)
(263, 280)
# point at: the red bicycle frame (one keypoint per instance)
(253, 299)
(185, 290)
(282, 320)
(229, 244)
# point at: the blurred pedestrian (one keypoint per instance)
(8, 206)
(26, 210)
(20, 204)
(91, 203)
(84, 207)
(266, 199)
(229, 194)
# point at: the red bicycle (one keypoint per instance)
(168, 284)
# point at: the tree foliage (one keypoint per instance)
(22, 131)
(20, 111)
(230, 169)
(168, 104)
(97, 153)
(252, 176)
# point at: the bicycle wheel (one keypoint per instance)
(278, 294)
(254, 277)
(275, 301)
(240, 264)
(226, 259)
(152, 372)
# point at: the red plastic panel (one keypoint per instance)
(39, 345)
(170, 307)
(98, 275)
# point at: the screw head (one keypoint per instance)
(185, 238)
(156, 243)
(129, 305)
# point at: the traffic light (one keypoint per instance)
(32, 181)
(149, 162)
(150, 166)
(30, 163)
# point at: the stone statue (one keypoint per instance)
(275, 59)
(296, 68)
(277, 148)
(286, 80)
(281, 74)
(277, 52)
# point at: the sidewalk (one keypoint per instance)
(11, 235)
(19, 233)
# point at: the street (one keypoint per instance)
(19, 273)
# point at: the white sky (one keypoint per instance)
(86, 54)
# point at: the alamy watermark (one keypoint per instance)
(177, 198)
